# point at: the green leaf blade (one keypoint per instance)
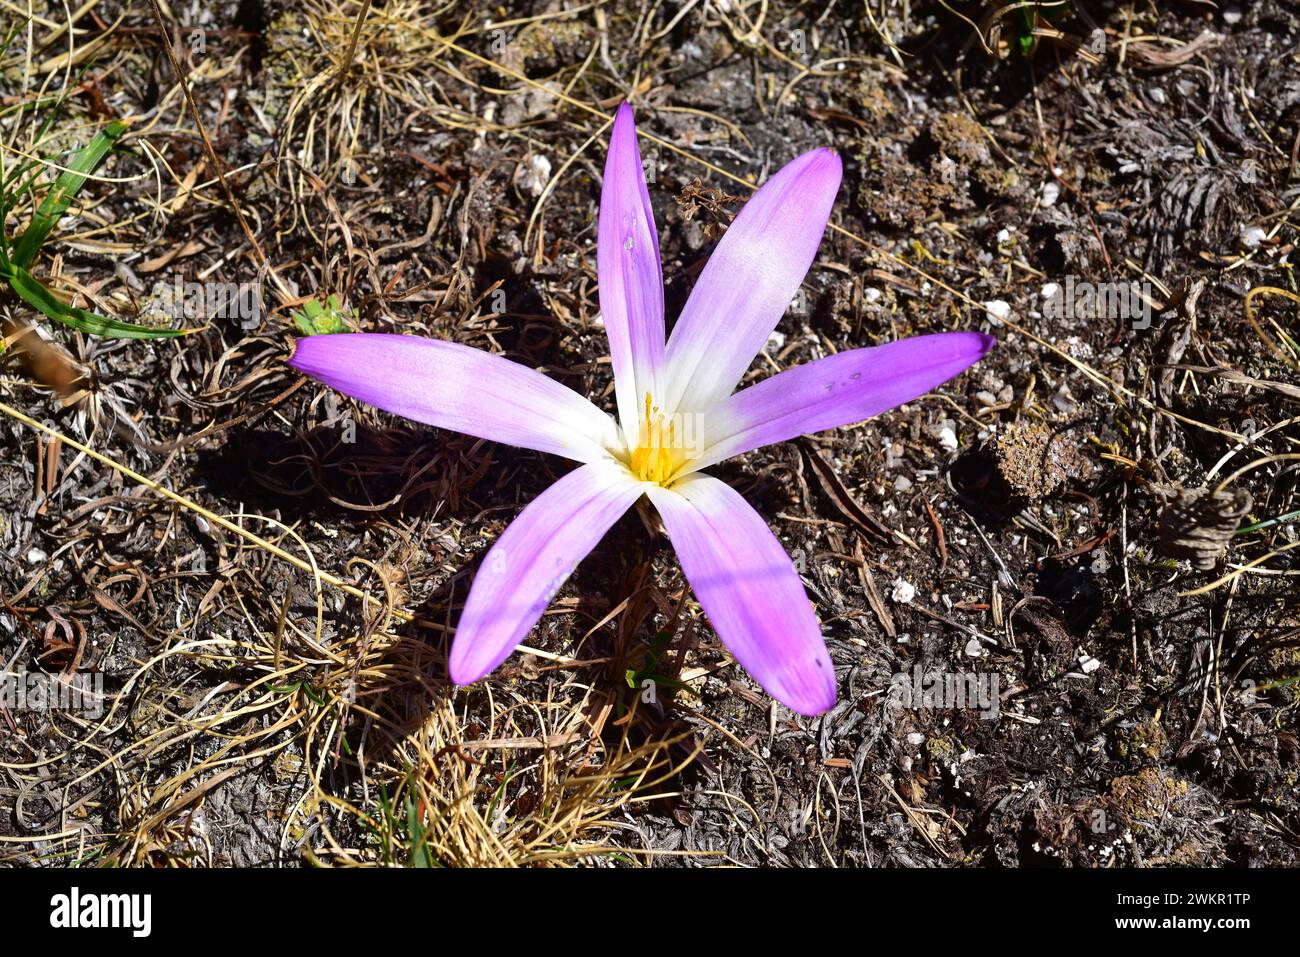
(65, 189)
(44, 301)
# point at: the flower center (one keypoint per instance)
(660, 450)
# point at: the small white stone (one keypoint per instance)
(533, 177)
(871, 294)
(998, 310)
(1087, 663)
(1252, 236)
(1232, 16)
(1050, 290)
(904, 591)
(1003, 236)
(915, 739)
(1051, 192)
(776, 341)
(948, 439)
(36, 556)
(902, 483)
(974, 649)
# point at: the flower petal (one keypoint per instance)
(750, 590)
(749, 281)
(458, 388)
(531, 560)
(631, 277)
(838, 390)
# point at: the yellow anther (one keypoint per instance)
(656, 455)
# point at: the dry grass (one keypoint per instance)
(350, 72)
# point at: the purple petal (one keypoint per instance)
(631, 278)
(458, 388)
(531, 560)
(750, 590)
(838, 390)
(750, 280)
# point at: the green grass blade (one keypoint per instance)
(40, 298)
(66, 187)
(9, 37)
(1268, 523)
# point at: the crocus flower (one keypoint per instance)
(678, 415)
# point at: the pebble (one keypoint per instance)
(902, 483)
(974, 649)
(36, 556)
(1064, 402)
(693, 236)
(532, 178)
(1051, 192)
(915, 739)
(1088, 663)
(904, 591)
(948, 439)
(998, 310)
(1252, 236)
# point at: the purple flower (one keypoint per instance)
(678, 414)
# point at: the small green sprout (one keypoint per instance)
(1030, 16)
(648, 675)
(317, 318)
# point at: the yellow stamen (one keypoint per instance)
(656, 456)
